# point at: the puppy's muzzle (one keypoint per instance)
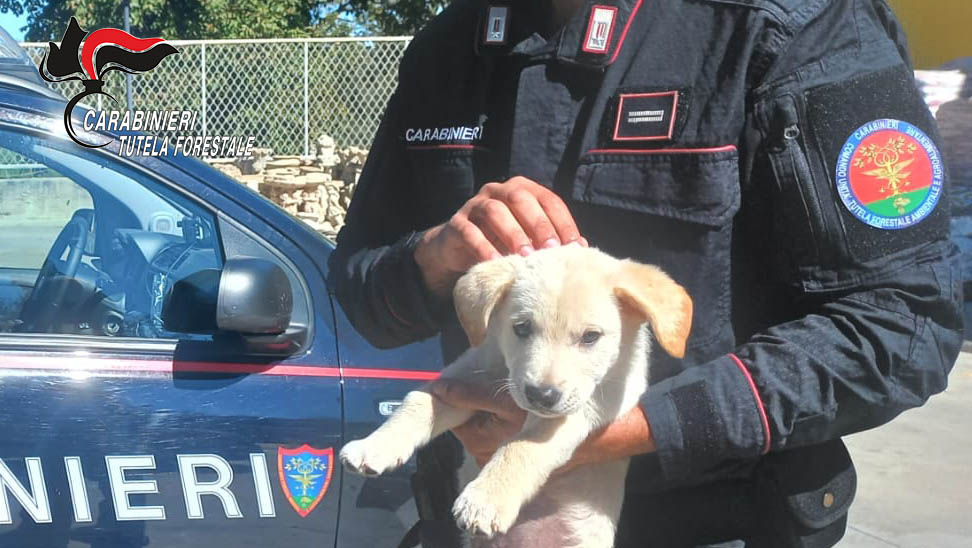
(542, 396)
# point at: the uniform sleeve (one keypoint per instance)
(372, 272)
(873, 279)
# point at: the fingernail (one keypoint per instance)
(495, 255)
(552, 242)
(583, 242)
(525, 250)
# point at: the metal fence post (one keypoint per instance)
(202, 63)
(306, 113)
(128, 76)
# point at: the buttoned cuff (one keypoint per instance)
(706, 415)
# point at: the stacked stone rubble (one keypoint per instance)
(316, 189)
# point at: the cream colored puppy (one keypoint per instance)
(564, 330)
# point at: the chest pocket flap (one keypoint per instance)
(695, 185)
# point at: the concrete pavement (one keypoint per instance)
(915, 474)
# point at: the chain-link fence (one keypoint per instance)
(284, 93)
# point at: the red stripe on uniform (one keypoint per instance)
(759, 401)
(445, 147)
(624, 33)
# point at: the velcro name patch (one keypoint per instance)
(646, 116)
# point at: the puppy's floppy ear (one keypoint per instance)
(477, 292)
(648, 294)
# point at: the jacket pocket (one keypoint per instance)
(804, 495)
(672, 208)
(694, 185)
(799, 218)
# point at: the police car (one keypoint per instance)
(173, 370)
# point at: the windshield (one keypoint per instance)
(10, 50)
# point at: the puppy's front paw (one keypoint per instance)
(371, 457)
(480, 510)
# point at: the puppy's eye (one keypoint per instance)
(523, 329)
(590, 337)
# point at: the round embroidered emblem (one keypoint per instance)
(890, 174)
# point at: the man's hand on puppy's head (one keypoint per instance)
(516, 216)
(497, 421)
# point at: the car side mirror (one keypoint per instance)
(255, 297)
(249, 297)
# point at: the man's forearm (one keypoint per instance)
(382, 292)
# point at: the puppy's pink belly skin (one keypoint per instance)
(538, 526)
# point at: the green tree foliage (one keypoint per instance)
(392, 17)
(211, 19)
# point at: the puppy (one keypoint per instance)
(564, 330)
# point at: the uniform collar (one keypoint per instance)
(593, 37)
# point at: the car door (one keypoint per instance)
(378, 511)
(118, 430)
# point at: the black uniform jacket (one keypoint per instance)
(742, 145)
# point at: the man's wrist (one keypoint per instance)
(626, 437)
(438, 280)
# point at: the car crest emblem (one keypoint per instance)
(890, 174)
(305, 474)
(88, 57)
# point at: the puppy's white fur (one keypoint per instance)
(562, 295)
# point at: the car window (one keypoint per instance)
(36, 202)
(95, 246)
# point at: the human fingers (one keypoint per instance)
(477, 396)
(466, 237)
(559, 216)
(484, 433)
(520, 197)
(494, 218)
(540, 211)
(481, 448)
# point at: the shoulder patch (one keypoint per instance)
(851, 126)
(890, 174)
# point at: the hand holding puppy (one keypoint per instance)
(516, 216)
(498, 419)
(572, 398)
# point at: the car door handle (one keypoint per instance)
(387, 407)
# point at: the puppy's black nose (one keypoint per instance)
(544, 396)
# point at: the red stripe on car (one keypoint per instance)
(123, 365)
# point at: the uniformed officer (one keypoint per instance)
(773, 156)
